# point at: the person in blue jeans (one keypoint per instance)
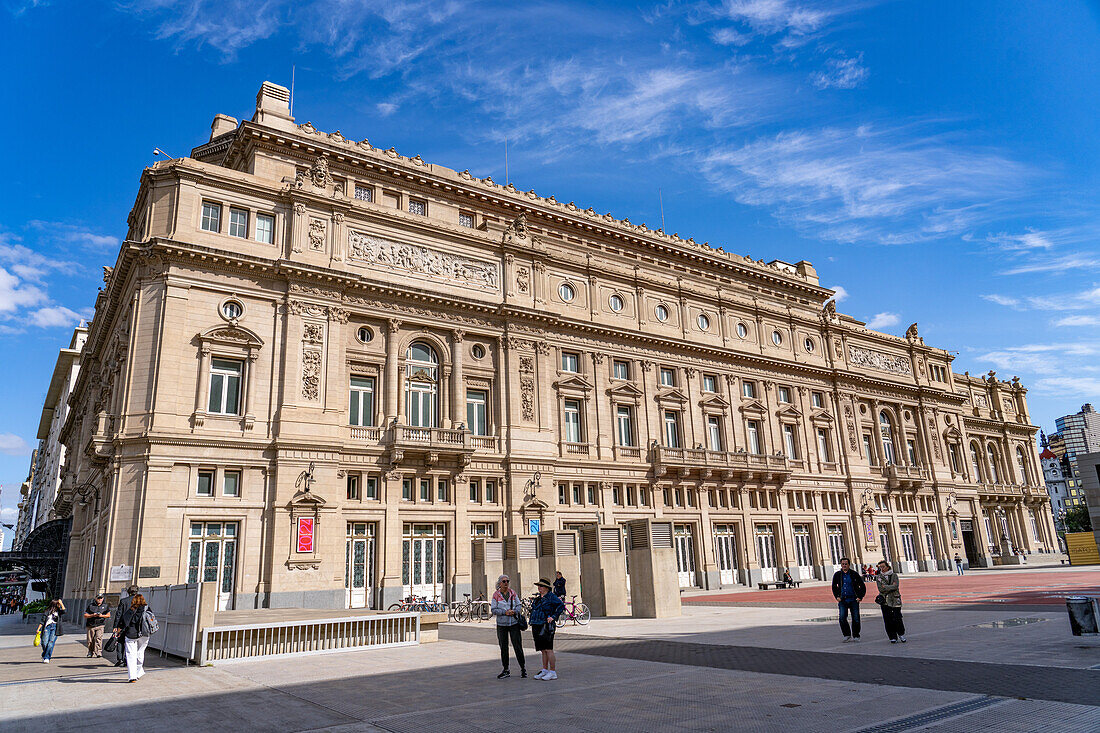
(848, 589)
(51, 620)
(958, 564)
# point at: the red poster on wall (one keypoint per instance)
(305, 534)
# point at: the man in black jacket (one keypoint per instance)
(848, 589)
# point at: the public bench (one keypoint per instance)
(778, 584)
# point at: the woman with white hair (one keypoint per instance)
(507, 607)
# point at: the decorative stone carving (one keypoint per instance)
(311, 374)
(980, 401)
(526, 364)
(876, 360)
(338, 314)
(542, 348)
(523, 280)
(428, 262)
(299, 209)
(851, 428)
(935, 439)
(516, 231)
(318, 234)
(313, 333)
(527, 397)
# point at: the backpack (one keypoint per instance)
(147, 624)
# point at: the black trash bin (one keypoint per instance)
(1083, 615)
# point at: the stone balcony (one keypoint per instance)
(401, 438)
(720, 464)
(904, 477)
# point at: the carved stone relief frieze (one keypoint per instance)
(424, 261)
(523, 280)
(311, 374)
(313, 333)
(318, 234)
(935, 438)
(877, 360)
(853, 444)
(527, 397)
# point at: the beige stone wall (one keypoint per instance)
(713, 321)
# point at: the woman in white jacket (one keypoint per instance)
(506, 607)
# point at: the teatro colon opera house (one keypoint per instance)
(319, 370)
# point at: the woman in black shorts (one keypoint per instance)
(544, 615)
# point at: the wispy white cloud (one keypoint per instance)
(13, 445)
(56, 316)
(1050, 358)
(74, 234)
(840, 293)
(777, 16)
(386, 108)
(1004, 300)
(841, 73)
(1076, 321)
(1079, 300)
(883, 320)
(729, 37)
(1084, 387)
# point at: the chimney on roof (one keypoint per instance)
(273, 106)
(807, 270)
(221, 125)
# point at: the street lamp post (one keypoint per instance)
(86, 490)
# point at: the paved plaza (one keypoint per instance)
(720, 666)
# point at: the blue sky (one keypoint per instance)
(938, 161)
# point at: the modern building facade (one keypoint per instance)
(49, 458)
(1076, 435)
(319, 369)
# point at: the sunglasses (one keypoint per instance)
(504, 581)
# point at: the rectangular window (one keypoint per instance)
(225, 387)
(784, 394)
(953, 453)
(353, 487)
(753, 429)
(563, 493)
(442, 489)
(265, 228)
(911, 446)
(361, 401)
(748, 389)
(491, 492)
(817, 399)
(372, 487)
(231, 483)
(789, 442)
(710, 383)
(418, 207)
(714, 432)
(483, 530)
(577, 494)
(872, 459)
(617, 495)
(475, 490)
(407, 489)
(672, 429)
(631, 496)
(823, 444)
(570, 361)
(624, 420)
(206, 484)
(425, 489)
(477, 411)
(238, 223)
(211, 216)
(592, 494)
(621, 369)
(364, 193)
(668, 377)
(466, 220)
(572, 421)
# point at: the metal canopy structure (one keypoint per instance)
(43, 554)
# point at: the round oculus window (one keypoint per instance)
(703, 321)
(616, 303)
(478, 351)
(662, 313)
(232, 309)
(777, 338)
(742, 330)
(364, 334)
(809, 344)
(566, 292)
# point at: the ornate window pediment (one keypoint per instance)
(574, 383)
(626, 392)
(671, 395)
(714, 403)
(822, 417)
(753, 407)
(788, 411)
(952, 435)
(229, 335)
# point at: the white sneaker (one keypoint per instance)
(551, 676)
(902, 639)
(542, 674)
(847, 639)
(855, 638)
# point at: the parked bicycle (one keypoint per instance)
(419, 604)
(578, 613)
(472, 610)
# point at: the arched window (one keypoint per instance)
(1022, 461)
(422, 386)
(994, 474)
(976, 463)
(887, 430)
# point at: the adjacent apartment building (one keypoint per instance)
(319, 369)
(40, 491)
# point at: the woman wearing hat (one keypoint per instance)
(544, 615)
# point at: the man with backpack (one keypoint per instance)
(135, 627)
(123, 604)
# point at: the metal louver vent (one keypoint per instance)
(528, 547)
(592, 540)
(662, 534)
(478, 551)
(547, 540)
(611, 539)
(639, 534)
(494, 551)
(565, 544)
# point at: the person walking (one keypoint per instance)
(559, 585)
(95, 616)
(544, 616)
(134, 633)
(123, 604)
(889, 590)
(958, 564)
(50, 628)
(506, 606)
(848, 589)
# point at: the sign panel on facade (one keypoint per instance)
(533, 526)
(121, 572)
(305, 534)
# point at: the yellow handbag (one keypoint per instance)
(38, 638)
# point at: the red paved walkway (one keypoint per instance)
(1019, 587)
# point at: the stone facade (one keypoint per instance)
(318, 369)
